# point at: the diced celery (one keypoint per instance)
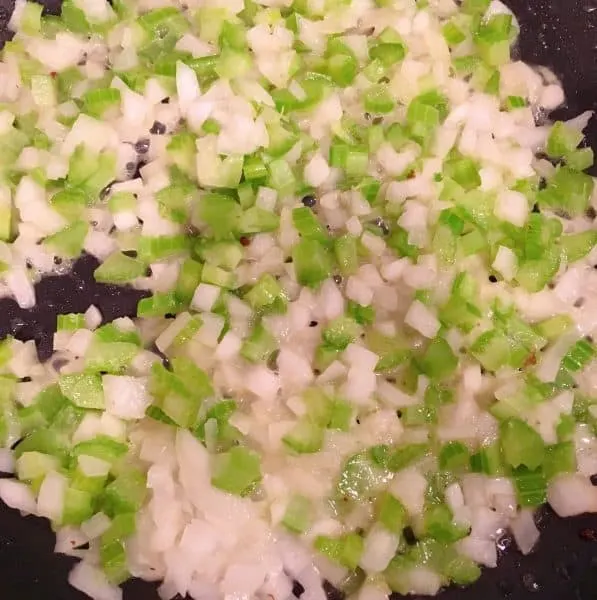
(297, 517)
(69, 241)
(83, 389)
(521, 444)
(126, 493)
(345, 550)
(237, 471)
(312, 261)
(305, 438)
(119, 268)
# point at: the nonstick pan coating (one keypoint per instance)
(561, 34)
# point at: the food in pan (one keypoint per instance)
(366, 349)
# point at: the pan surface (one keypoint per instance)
(561, 34)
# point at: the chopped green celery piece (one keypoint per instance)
(98, 101)
(392, 351)
(521, 444)
(342, 68)
(281, 177)
(438, 524)
(237, 471)
(70, 322)
(363, 315)
(34, 465)
(267, 295)
(453, 34)
(254, 169)
(83, 389)
(220, 213)
(534, 275)
(217, 276)
(464, 171)
(307, 225)
(581, 353)
(312, 261)
(258, 220)
(113, 562)
(219, 254)
(119, 268)
(581, 159)
(559, 458)
(78, 507)
(158, 305)
(398, 241)
(259, 346)
(182, 151)
(324, 356)
(494, 350)
(30, 22)
(102, 447)
(233, 63)
(49, 402)
(6, 220)
(340, 332)
(195, 380)
(210, 21)
(374, 71)
(460, 313)
(562, 140)
(388, 52)
(305, 437)
(475, 7)
(91, 172)
(227, 436)
(126, 493)
(487, 460)
(454, 457)
(69, 203)
(378, 100)
(515, 102)
(44, 441)
(43, 90)
(577, 245)
(281, 141)
(554, 327)
(399, 457)
(346, 252)
(159, 21)
(69, 241)
(438, 360)
(298, 515)
(531, 486)
(462, 570)
(160, 247)
(110, 357)
(361, 478)
(493, 39)
(123, 525)
(565, 430)
(567, 190)
(112, 333)
(189, 278)
(391, 513)
(345, 550)
(341, 415)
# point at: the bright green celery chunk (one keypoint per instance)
(563, 140)
(391, 513)
(259, 346)
(307, 225)
(70, 203)
(34, 465)
(438, 360)
(69, 241)
(306, 437)
(454, 457)
(363, 315)
(298, 515)
(438, 524)
(112, 550)
(567, 190)
(313, 262)
(392, 351)
(346, 252)
(267, 296)
(361, 478)
(581, 353)
(425, 113)
(521, 444)
(158, 305)
(493, 38)
(580, 159)
(553, 327)
(237, 471)
(345, 550)
(182, 151)
(461, 570)
(45, 442)
(378, 100)
(83, 389)
(487, 460)
(341, 415)
(91, 172)
(464, 171)
(70, 322)
(110, 357)
(281, 140)
(112, 333)
(453, 34)
(218, 276)
(98, 101)
(226, 435)
(192, 377)
(189, 278)
(120, 268)
(257, 220)
(494, 350)
(559, 458)
(78, 506)
(126, 493)
(220, 213)
(531, 486)
(157, 248)
(340, 332)
(102, 447)
(281, 177)
(577, 245)
(399, 457)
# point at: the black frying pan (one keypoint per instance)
(561, 34)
